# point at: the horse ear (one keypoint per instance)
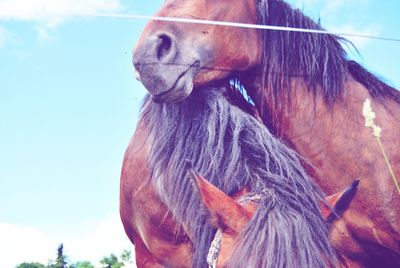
(224, 210)
(337, 203)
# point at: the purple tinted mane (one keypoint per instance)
(232, 149)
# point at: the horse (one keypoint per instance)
(232, 214)
(214, 130)
(306, 91)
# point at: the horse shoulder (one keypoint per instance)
(156, 236)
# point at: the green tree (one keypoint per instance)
(126, 256)
(61, 261)
(82, 264)
(31, 265)
(111, 262)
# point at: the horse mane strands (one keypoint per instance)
(319, 60)
(232, 150)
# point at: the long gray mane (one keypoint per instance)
(232, 150)
(320, 61)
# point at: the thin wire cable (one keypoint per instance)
(210, 22)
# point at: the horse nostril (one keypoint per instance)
(164, 46)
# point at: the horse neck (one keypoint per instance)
(331, 135)
(310, 123)
(339, 148)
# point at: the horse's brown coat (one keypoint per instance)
(158, 242)
(333, 139)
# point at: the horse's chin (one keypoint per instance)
(181, 90)
(186, 83)
(178, 84)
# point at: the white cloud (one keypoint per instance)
(48, 14)
(19, 244)
(38, 10)
(93, 241)
(97, 239)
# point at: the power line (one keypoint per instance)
(210, 22)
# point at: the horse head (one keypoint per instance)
(172, 58)
(232, 214)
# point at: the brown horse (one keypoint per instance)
(232, 214)
(163, 216)
(306, 91)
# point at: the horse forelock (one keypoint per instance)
(318, 60)
(232, 150)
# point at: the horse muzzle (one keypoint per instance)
(165, 69)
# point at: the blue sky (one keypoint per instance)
(68, 107)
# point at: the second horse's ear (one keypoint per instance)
(225, 211)
(337, 203)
